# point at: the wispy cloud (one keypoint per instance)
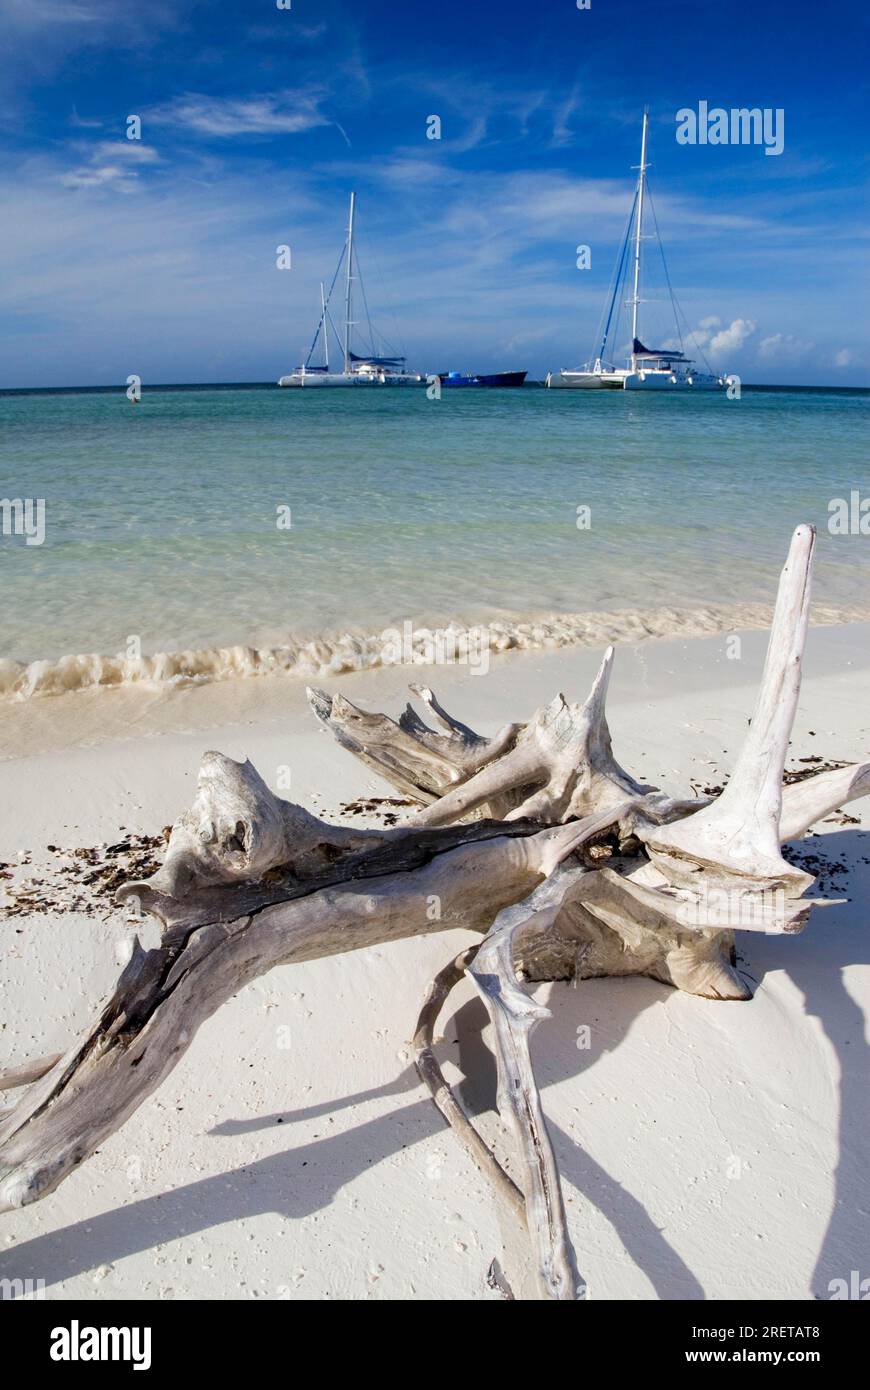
(296, 31)
(82, 122)
(99, 175)
(784, 347)
(563, 134)
(39, 37)
(476, 112)
(111, 164)
(282, 113)
(531, 207)
(34, 14)
(471, 138)
(47, 29)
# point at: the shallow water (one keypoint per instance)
(161, 529)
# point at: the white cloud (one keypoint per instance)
(732, 338)
(136, 150)
(719, 341)
(111, 164)
(99, 175)
(843, 358)
(783, 347)
(281, 113)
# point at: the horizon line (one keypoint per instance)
(121, 387)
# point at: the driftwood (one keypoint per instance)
(537, 840)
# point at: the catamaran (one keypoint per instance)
(357, 369)
(648, 369)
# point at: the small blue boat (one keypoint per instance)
(495, 379)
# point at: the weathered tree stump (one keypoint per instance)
(577, 870)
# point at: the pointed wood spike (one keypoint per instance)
(447, 721)
(596, 700)
(738, 834)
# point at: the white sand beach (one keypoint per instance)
(708, 1150)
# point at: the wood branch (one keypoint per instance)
(514, 1015)
(412, 757)
(28, 1072)
(560, 766)
(556, 766)
(450, 723)
(217, 938)
(445, 1101)
(237, 830)
(804, 803)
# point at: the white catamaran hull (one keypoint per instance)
(633, 381)
(668, 381)
(585, 381)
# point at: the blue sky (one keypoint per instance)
(158, 257)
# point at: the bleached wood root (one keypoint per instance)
(585, 872)
(218, 937)
(556, 766)
(237, 830)
(560, 766)
(514, 1015)
(412, 757)
(442, 1094)
(699, 869)
(612, 924)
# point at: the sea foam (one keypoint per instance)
(338, 653)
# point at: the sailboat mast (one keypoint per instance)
(324, 327)
(637, 236)
(349, 289)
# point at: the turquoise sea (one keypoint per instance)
(162, 535)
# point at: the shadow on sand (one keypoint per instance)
(815, 961)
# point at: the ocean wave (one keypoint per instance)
(336, 654)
